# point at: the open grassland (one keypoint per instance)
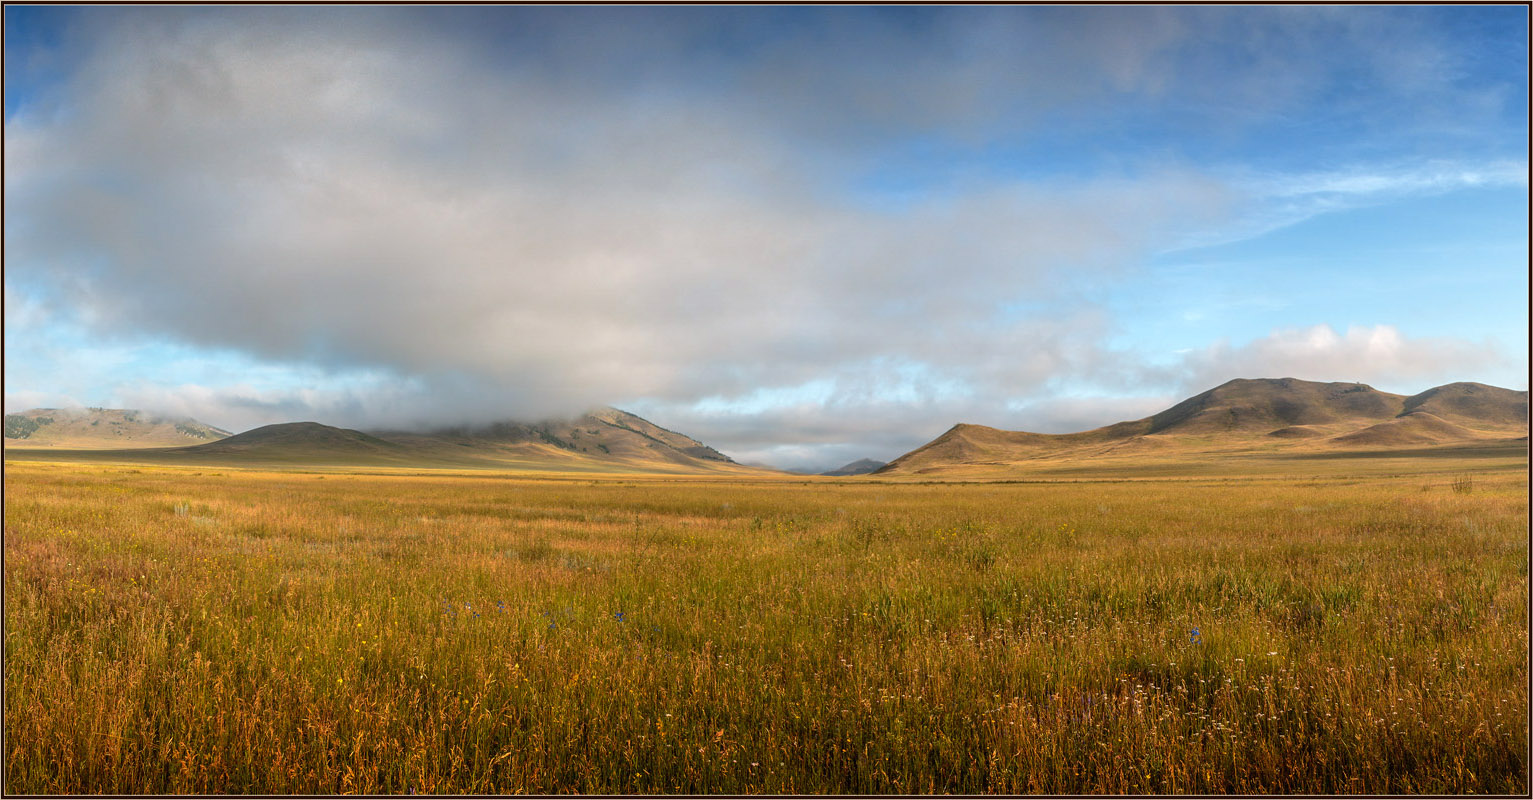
(179, 631)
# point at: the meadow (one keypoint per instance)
(198, 630)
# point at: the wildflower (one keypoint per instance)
(618, 616)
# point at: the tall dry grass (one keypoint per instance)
(178, 632)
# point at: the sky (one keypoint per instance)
(802, 235)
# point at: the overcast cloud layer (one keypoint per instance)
(722, 219)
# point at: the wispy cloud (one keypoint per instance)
(1274, 200)
(1407, 179)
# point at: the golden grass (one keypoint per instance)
(180, 631)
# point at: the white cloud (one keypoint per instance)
(1377, 354)
(25, 400)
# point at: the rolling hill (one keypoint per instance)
(301, 442)
(603, 436)
(1472, 404)
(1268, 415)
(103, 428)
(861, 466)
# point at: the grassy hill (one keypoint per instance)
(103, 428)
(1282, 418)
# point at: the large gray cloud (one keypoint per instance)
(359, 196)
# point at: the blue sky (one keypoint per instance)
(803, 235)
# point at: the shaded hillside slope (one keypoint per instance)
(1416, 428)
(1473, 404)
(605, 436)
(302, 441)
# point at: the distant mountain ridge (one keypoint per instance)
(104, 428)
(1271, 416)
(602, 439)
(1252, 413)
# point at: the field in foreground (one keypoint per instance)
(173, 630)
